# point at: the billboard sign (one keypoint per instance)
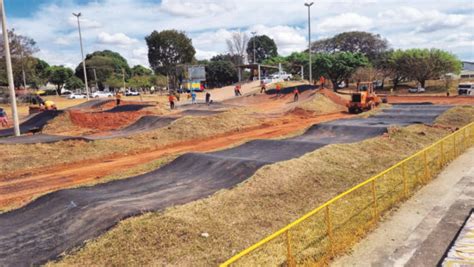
(197, 73)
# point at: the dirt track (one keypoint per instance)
(18, 188)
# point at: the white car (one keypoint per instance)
(282, 76)
(416, 90)
(102, 94)
(76, 96)
(132, 93)
(466, 89)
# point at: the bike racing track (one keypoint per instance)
(60, 221)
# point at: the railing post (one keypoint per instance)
(464, 140)
(405, 182)
(454, 145)
(289, 257)
(374, 200)
(425, 161)
(442, 154)
(329, 230)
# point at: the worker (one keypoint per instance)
(278, 89)
(296, 93)
(237, 90)
(193, 97)
(49, 105)
(208, 98)
(322, 81)
(118, 97)
(3, 118)
(263, 87)
(171, 99)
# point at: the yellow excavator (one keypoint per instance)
(363, 99)
(37, 104)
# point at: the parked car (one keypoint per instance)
(132, 93)
(102, 94)
(466, 89)
(416, 90)
(76, 96)
(282, 76)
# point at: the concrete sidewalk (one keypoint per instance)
(420, 231)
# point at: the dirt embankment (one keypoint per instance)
(105, 121)
(271, 198)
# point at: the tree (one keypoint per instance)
(140, 81)
(225, 57)
(425, 64)
(159, 81)
(338, 66)
(74, 83)
(366, 43)
(139, 70)
(237, 45)
(221, 73)
(167, 49)
(265, 48)
(58, 75)
(39, 74)
(106, 63)
(21, 49)
(114, 82)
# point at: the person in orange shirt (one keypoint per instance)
(118, 97)
(278, 89)
(296, 93)
(322, 81)
(171, 99)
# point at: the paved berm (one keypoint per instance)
(421, 231)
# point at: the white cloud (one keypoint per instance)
(345, 22)
(115, 39)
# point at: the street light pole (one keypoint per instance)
(8, 59)
(82, 54)
(254, 58)
(309, 41)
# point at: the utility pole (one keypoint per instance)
(95, 79)
(123, 78)
(8, 59)
(309, 41)
(23, 69)
(254, 57)
(82, 53)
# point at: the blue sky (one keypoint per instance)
(121, 25)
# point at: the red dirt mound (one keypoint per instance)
(333, 96)
(105, 121)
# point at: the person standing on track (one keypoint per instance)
(263, 87)
(237, 90)
(3, 118)
(296, 93)
(193, 97)
(118, 97)
(208, 98)
(278, 89)
(322, 81)
(171, 100)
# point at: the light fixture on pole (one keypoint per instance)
(82, 54)
(309, 41)
(254, 57)
(8, 59)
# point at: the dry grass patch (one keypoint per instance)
(235, 219)
(23, 157)
(321, 104)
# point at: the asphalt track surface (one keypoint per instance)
(62, 220)
(34, 122)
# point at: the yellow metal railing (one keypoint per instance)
(332, 228)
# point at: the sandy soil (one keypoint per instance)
(21, 187)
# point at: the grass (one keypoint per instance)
(22, 157)
(274, 196)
